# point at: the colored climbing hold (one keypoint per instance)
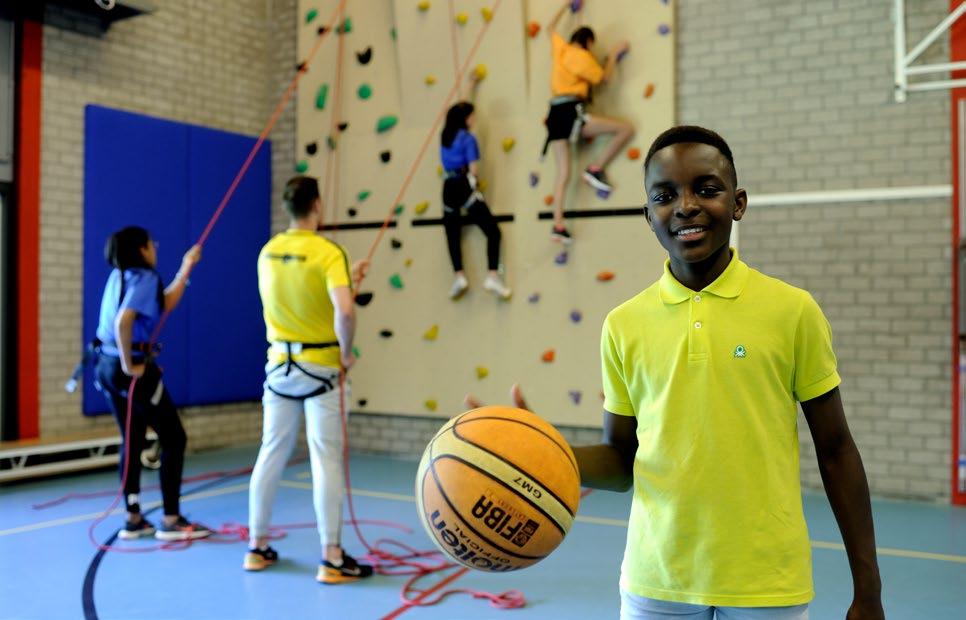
(605, 276)
(322, 30)
(663, 29)
(364, 56)
(479, 72)
(385, 123)
(633, 154)
(576, 5)
(482, 184)
(421, 207)
(311, 148)
(461, 18)
(549, 355)
(365, 91)
(342, 126)
(301, 166)
(561, 259)
(356, 352)
(482, 372)
(431, 404)
(575, 316)
(395, 281)
(623, 53)
(603, 194)
(408, 262)
(385, 156)
(423, 6)
(487, 14)
(548, 199)
(534, 179)
(399, 209)
(330, 142)
(439, 170)
(534, 298)
(363, 402)
(362, 195)
(648, 91)
(311, 15)
(575, 395)
(533, 29)
(363, 299)
(430, 80)
(392, 33)
(508, 144)
(431, 333)
(395, 243)
(321, 97)
(352, 212)
(346, 26)
(386, 333)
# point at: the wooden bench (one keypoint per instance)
(90, 450)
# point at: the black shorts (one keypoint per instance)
(457, 192)
(564, 120)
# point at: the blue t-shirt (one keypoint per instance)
(140, 294)
(461, 153)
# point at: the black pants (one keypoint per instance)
(456, 191)
(162, 417)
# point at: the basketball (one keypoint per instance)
(497, 489)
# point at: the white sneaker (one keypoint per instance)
(496, 286)
(460, 284)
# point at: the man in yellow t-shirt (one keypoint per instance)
(574, 72)
(306, 289)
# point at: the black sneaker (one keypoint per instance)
(348, 571)
(260, 559)
(182, 529)
(561, 235)
(133, 531)
(597, 179)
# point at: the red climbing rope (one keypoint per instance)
(332, 140)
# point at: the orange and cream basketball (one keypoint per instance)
(497, 488)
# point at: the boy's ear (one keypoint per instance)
(741, 203)
(647, 216)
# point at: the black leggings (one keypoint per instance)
(162, 417)
(456, 191)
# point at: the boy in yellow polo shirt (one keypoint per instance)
(305, 284)
(702, 372)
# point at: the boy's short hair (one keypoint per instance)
(692, 133)
(583, 37)
(300, 194)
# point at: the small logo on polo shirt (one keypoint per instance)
(740, 351)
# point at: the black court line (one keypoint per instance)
(621, 212)
(358, 225)
(438, 221)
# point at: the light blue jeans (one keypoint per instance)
(635, 607)
(323, 432)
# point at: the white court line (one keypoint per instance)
(93, 515)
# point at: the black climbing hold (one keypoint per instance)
(396, 243)
(364, 56)
(385, 156)
(300, 67)
(352, 212)
(363, 402)
(322, 30)
(363, 299)
(343, 126)
(311, 148)
(386, 333)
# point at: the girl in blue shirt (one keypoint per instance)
(134, 299)
(460, 155)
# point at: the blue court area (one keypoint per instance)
(47, 558)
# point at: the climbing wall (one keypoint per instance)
(419, 351)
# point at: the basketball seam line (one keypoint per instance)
(567, 452)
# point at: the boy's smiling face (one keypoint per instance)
(691, 201)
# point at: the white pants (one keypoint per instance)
(323, 432)
(635, 607)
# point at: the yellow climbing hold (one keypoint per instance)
(430, 80)
(439, 170)
(421, 207)
(423, 6)
(480, 72)
(431, 404)
(508, 144)
(461, 18)
(482, 185)
(409, 262)
(431, 333)
(482, 372)
(487, 13)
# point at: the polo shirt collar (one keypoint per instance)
(728, 285)
(299, 231)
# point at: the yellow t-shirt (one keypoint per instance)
(574, 69)
(713, 378)
(296, 271)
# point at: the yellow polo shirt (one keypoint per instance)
(574, 68)
(713, 378)
(296, 271)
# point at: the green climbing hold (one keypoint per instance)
(363, 195)
(386, 123)
(395, 281)
(322, 96)
(392, 33)
(365, 91)
(355, 351)
(399, 209)
(346, 26)
(312, 14)
(330, 142)
(302, 166)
